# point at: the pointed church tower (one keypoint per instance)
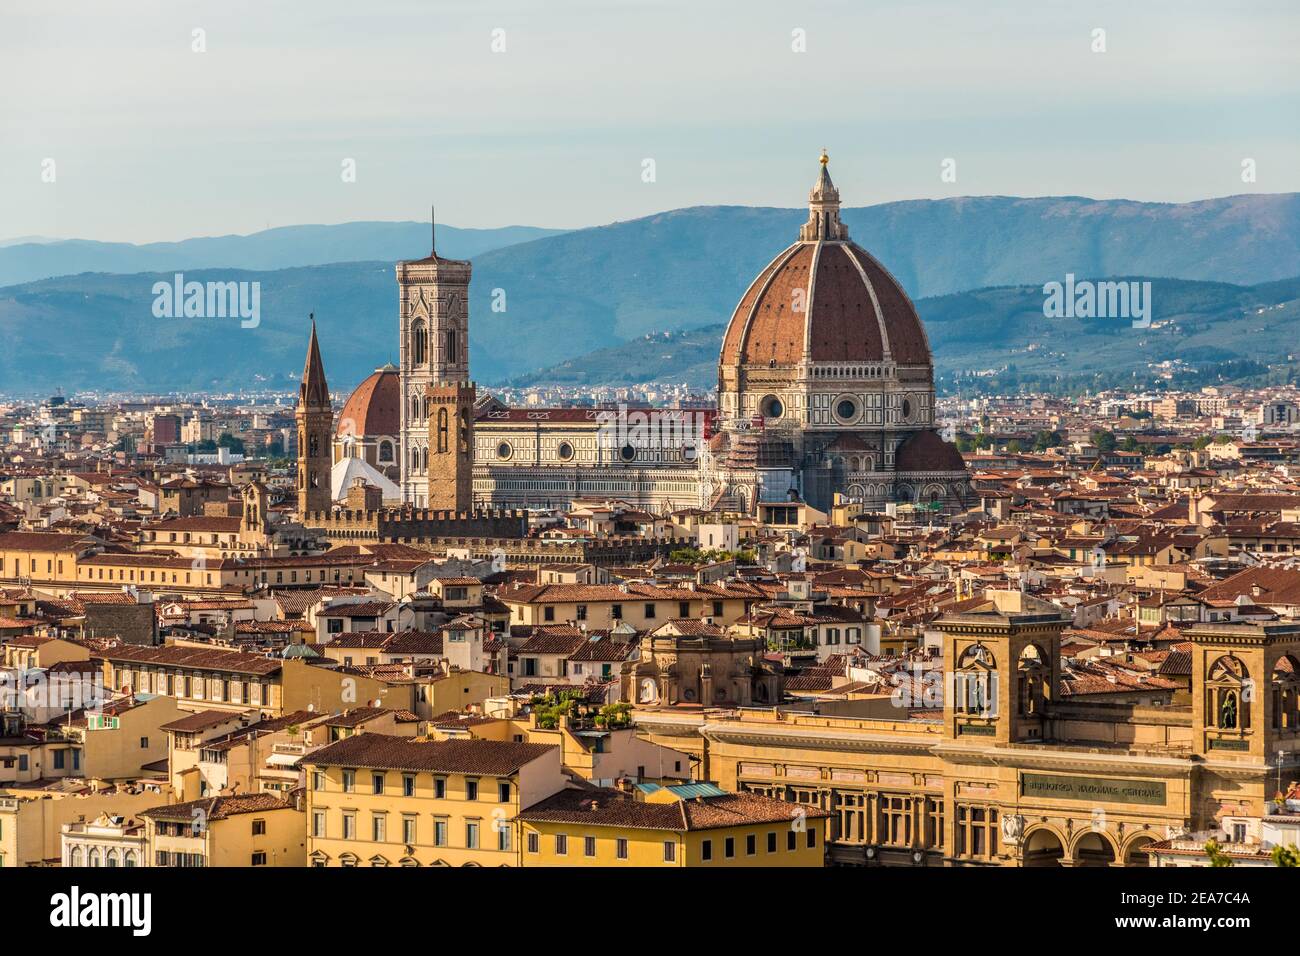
(315, 420)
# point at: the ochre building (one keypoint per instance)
(1005, 772)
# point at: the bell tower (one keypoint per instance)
(433, 313)
(1003, 670)
(1246, 691)
(315, 419)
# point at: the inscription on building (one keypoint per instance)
(1093, 789)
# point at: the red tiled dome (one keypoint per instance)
(825, 297)
(853, 311)
(373, 407)
(926, 451)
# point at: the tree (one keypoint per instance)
(1217, 857)
(1014, 447)
(614, 716)
(1285, 856)
(1104, 440)
(1047, 439)
(227, 440)
(550, 709)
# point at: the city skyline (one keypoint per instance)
(824, 436)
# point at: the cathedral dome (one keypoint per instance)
(374, 406)
(824, 299)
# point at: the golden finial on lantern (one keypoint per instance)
(825, 159)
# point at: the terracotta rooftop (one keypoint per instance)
(385, 752)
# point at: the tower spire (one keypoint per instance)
(433, 232)
(823, 207)
(315, 420)
(314, 390)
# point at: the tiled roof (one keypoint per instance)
(385, 752)
(42, 541)
(359, 715)
(217, 808)
(614, 808)
(193, 723)
(197, 658)
(557, 640)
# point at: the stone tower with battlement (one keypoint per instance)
(450, 474)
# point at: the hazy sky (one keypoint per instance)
(153, 141)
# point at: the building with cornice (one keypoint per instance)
(998, 768)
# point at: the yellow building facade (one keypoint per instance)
(692, 825)
(252, 829)
(380, 800)
(1008, 773)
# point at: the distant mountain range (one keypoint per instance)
(583, 293)
(32, 258)
(997, 335)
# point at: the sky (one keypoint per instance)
(545, 112)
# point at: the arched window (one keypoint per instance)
(1286, 694)
(128, 859)
(415, 459)
(1227, 707)
(93, 858)
(419, 343)
(112, 859)
(453, 347)
(74, 858)
(424, 459)
(425, 416)
(1031, 680)
(385, 451)
(442, 431)
(975, 683)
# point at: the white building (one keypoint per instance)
(106, 841)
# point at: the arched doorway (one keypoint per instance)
(1042, 848)
(1093, 849)
(1136, 854)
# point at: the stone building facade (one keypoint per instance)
(1004, 772)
